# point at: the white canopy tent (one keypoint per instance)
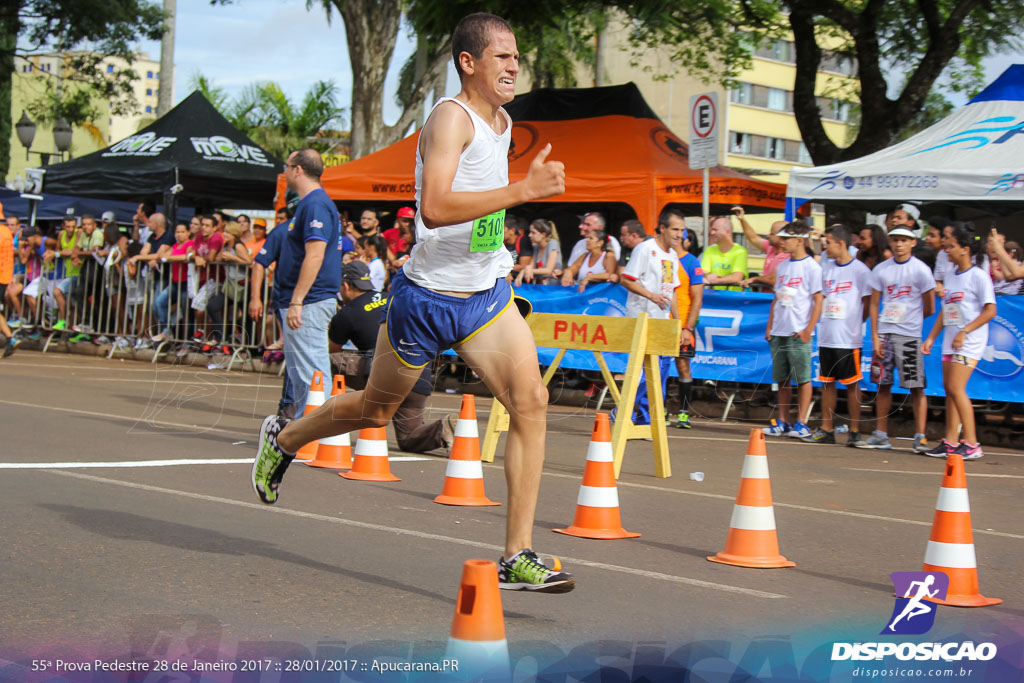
(974, 158)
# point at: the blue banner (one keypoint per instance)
(731, 346)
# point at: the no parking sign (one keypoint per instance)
(704, 130)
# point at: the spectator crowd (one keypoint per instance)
(190, 287)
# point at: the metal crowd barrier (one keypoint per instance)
(132, 306)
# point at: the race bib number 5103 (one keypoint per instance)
(488, 232)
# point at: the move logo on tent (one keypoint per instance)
(220, 148)
(141, 145)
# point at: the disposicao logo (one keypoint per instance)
(913, 615)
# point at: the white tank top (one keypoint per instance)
(586, 270)
(441, 258)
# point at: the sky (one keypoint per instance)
(280, 40)
(268, 40)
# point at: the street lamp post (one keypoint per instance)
(62, 134)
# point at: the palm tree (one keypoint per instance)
(265, 113)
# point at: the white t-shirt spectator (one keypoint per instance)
(842, 316)
(796, 282)
(581, 246)
(377, 274)
(657, 271)
(900, 309)
(966, 294)
(944, 268)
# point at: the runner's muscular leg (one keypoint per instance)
(505, 357)
(389, 383)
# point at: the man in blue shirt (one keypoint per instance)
(308, 274)
(266, 257)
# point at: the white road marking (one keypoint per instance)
(792, 506)
(123, 463)
(153, 463)
(422, 534)
(137, 420)
(937, 474)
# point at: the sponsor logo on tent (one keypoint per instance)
(1007, 182)
(829, 181)
(668, 143)
(1004, 353)
(524, 137)
(220, 148)
(142, 145)
(981, 134)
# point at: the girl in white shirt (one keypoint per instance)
(370, 249)
(968, 304)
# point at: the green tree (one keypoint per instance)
(264, 113)
(890, 41)
(29, 27)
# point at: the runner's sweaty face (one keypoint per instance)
(498, 67)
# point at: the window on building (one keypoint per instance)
(149, 74)
(781, 50)
(743, 93)
(839, 63)
(149, 91)
(739, 143)
(841, 110)
(26, 68)
(775, 148)
(110, 68)
(803, 156)
(777, 99)
(158, 75)
(149, 110)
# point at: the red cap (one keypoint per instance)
(406, 212)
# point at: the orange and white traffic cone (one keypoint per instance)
(371, 457)
(464, 476)
(752, 540)
(334, 452)
(477, 641)
(951, 544)
(314, 399)
(597, 506)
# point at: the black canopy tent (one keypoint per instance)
(190, 156)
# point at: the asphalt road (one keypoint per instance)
(103, 557)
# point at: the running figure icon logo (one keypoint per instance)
(913, 614)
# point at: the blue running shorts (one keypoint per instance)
(421, 323)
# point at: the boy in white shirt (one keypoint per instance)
(846, 283)
(901, 298)
(791, 321)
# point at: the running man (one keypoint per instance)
(452, 292)
(914, 606)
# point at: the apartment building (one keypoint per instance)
(31, 76)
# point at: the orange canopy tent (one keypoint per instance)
(615, 149)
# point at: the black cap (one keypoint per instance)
(357, 274)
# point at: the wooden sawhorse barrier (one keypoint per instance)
(643, 338)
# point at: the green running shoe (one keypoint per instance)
(60, 325)
(79, 338)
(271, 461)
(684, 421)
(525, 572)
